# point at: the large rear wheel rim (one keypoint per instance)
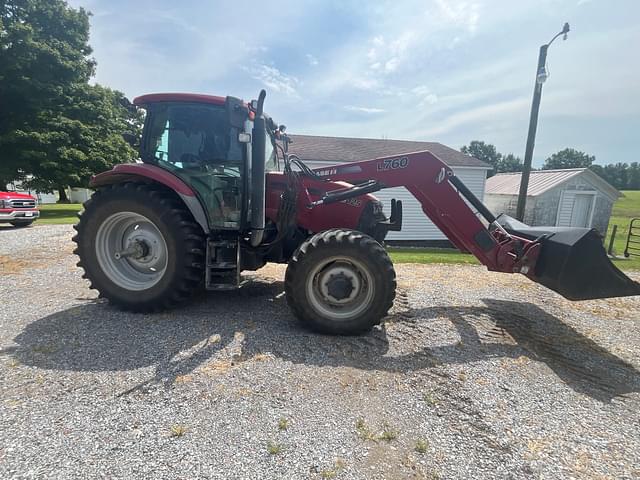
(356, 298)
(125, 231)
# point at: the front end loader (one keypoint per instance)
(216, 192)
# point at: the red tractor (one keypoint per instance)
(217, 193)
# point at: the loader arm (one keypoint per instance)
(431, 182)
(571, 261)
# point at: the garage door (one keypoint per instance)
(575, 209)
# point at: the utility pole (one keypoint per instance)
(541, 76)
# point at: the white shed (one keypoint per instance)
(575, 197)
(318, 151)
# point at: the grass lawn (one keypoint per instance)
(59, 214)
(624, 210)
(429, 255)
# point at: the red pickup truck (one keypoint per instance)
(18, 209)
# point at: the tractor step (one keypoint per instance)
(223, 243)
(223, 265)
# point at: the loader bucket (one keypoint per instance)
(573, 262)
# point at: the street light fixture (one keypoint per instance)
(541, 76)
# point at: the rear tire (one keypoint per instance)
(22, 224)
(340, 282)
(167, 270)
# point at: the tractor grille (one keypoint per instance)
(22, 203)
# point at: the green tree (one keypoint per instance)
(485, 152)
(599, 170)
(568, 158)
(55, 128)
(623, 176)
(612, 172)
(634, 176)
(489, 154)
(509, 163)
(69, 145)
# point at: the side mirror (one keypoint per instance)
(236, 111)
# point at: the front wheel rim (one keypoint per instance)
(352, 300)
(139, 271)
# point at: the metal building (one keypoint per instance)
(575, 197)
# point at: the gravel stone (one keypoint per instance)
(500, 377)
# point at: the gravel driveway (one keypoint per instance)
(474, 375)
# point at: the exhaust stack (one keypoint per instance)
(258, 162)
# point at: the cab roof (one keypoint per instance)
(144, 100)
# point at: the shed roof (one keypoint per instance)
(342, 149)
(542, 181)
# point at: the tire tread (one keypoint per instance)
(334, 239)
(191, 270)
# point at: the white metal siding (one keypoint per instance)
(500, 203)
(44, 198)
(415, 224)
(80, 195)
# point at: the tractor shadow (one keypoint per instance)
(255, 320)
(515, 329)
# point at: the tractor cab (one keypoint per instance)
(207, 142)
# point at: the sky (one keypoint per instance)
(448, 71)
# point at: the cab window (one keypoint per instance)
(196, 142)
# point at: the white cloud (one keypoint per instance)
(406, 45)
(370, 110)
(313, 61)
(479, 114)
(461, 13)
(385, 55)
(275, 79)
(425, 95)
(365, 83)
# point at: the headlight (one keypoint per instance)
(4, 204)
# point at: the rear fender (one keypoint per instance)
(145, 173)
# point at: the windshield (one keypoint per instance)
(196, 142)
(270, 155)
(190, 135)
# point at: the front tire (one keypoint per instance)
(340, 282)
(140, 247)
